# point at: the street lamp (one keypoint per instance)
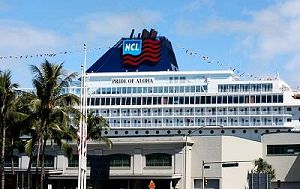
(190, 132)
(224, 164)
(185, 152)
(25, 138)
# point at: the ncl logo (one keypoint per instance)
(132, 47)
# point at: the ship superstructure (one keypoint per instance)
(190, 99)
(154, 94)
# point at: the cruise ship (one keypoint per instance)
(178, 129)
(146, 93)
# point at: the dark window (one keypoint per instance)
(289, 109)
(202, 99)
(219, 99)
(138, 101)
(208, 99)
(158, 160)
(241, 100)
(280, 98)
(7, 161)
(235, 99)
(119, 160)
(154, 100)
(269, 99)
(275, 99)
(213, 100)
(293, 149)
(73, 161)
(224, 99)
(97, 101)
(192, 100)
(102, 101)
(263, 99)
(123, 101)
(257, 99)
(170, 100)
(128, 99)
(187, 100)
(48, 161)
(229, 99)
(181, 99)
(133, 101)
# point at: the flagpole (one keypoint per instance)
(84, 123)
(82, 150)
(79, 133)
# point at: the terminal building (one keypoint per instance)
(164, 123)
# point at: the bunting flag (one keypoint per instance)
(208, 60)
(53, 54)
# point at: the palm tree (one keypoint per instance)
(263, 167)
(95, 126)
(52, 108)
(7, 97)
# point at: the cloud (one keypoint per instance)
(21, 39)
(274, 30)
(17, 37)
(119, 24)
(268, 35)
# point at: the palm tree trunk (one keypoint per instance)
(2, 157)
(29, 165)
(40, 141)
(43, 163)
(12, 161)
(28, 170)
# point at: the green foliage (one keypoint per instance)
(263, 167)
(50, 109)
(95, 126)
(7, 115)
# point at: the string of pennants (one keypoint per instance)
(209, 60)
(53, 54)
(187, 51)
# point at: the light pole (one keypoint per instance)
(185, 153)
(203, 184)
(224, 164)
(25, 138)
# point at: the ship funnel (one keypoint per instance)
(131, 34)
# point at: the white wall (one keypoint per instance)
(238, 149)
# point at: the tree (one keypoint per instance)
(261, 166)
(95, 126)
(7, 97)
(52, 108)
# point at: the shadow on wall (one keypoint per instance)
(293, 174)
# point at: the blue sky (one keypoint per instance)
(255, 37)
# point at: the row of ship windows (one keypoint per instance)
(241, 99)
(196, 122)
(166, 89)
(267, 87)
(192, 111)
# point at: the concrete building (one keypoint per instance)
(282, 151)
